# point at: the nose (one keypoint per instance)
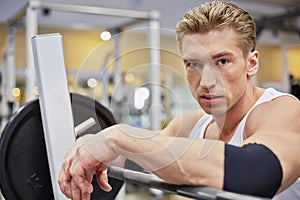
(208, 77)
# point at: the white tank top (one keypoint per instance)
(293, 192)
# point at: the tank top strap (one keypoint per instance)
(199, 128)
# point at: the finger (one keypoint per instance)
(65, 170)
(89, 176)
(61, 182)
(64, 181)
(76, 193)
(85, 196)
(103, 180)
(65, 188)
(64, 178)
(77, 186)
(81, 177)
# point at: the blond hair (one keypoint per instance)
(219, 15)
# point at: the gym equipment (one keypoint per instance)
(55, 103)
(125, 18)
(24, 167)
(8, 72)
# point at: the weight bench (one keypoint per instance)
(36, 139)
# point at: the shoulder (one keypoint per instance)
(182, 124)
(278, 114)
(283, 107)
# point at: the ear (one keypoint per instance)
(252, 63)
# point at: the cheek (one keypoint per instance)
(191, 76)
(235, 76)
(193, 80)
(234, 83)
(234, 87)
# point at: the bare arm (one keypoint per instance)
(182, 125)
(278, 128)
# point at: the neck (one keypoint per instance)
(228, 122)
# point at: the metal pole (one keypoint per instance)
(104, 76)
(11, 74)
(285, 71)
(31, 30)
(154, 43)
(55, 102)
(152, 181)
(118, 94)
(4, 105)
(8, 77)
(114, 12)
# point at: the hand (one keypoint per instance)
(86, 158)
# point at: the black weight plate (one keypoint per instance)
(24, 168)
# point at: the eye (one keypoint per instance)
(193, 64)
(222, 62)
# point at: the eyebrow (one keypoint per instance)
(222, 54)
(189, 60)
(218, 55)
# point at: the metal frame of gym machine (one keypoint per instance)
(31, 24)
(154, 42)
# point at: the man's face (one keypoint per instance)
(216, 69)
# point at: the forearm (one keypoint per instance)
(177, 160)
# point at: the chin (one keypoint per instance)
(216, 111)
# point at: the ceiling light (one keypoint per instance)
(105, 35)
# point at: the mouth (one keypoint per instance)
(209, 96)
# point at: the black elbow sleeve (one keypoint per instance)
(252, 169)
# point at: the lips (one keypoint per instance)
(210, 98)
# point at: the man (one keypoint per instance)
(217, 42)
